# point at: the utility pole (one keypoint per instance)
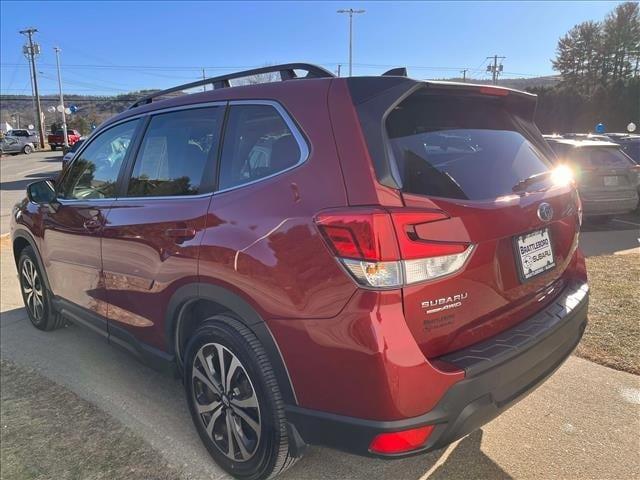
(204, 77)
(495, 69)
(464, 74)
(64, 116)
(339, 67)
(32, 50)
(351, 12)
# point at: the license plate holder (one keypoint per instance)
(611, 181)
(534, 253)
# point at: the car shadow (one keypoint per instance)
(460, 461)
(22, 184)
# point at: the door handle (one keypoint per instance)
(92, 224)
(181, 233)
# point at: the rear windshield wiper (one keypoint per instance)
(524, 183)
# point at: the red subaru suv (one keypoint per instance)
(376, 264)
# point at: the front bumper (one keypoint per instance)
(498, 372)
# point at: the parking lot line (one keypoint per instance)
(627, 222)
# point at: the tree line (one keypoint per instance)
(599, 65)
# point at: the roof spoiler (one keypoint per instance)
(396, 72)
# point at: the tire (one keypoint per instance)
(260, 429)
(36, 297)
(27, 150)
(53, 147)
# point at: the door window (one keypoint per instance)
(175, 153)
(95, 172)
(257, 144)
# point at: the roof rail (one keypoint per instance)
(286, 71)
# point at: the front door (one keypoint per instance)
(153, 231)
(71, 246)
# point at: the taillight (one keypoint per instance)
(380, 248)
(399, 442)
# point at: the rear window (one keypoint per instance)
(463, 147)
(601, 158)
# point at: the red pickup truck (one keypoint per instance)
(56, 139)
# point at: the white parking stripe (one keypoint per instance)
(627, 222)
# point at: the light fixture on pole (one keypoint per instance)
(351, 12)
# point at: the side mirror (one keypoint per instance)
(42, 192)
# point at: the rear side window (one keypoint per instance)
(258, 143)
(462, 147)
(175, 153)
(601, 158)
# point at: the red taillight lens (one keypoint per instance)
(381, 248)
(363, 234)
(399, 442)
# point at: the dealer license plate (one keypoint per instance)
(534, 253)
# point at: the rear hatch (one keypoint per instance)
(474, 154)
(603, 170)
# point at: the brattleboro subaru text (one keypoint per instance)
(376, 264)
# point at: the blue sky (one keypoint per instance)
(116, 47)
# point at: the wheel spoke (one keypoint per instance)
(200, 376)
(208, 407)
(223, 371)
(251, 402)
(207, 365)
(235, 363)
(255, 426)
(239, 440)
(231, 451)
(214, 416)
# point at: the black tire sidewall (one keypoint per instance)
(43, 324)
(27, 150)
(262, 463)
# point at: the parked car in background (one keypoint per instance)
(56, 139)
(586, 136)
(17, 144)
(377, 264)
(27, 136)
(629, 143)
(71, 152)
(607, 178)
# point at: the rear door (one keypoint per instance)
(477, 158)
(154, 229)
(604, 170)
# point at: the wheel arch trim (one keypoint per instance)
(28, 237)
(192, 292)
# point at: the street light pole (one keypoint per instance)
(64, 117)
(351, 12)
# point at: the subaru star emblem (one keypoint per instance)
(545, 212)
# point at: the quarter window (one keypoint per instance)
(95, 172)
(174, 154)
(257, 144)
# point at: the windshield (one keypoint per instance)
(460, 147)
(608, 157)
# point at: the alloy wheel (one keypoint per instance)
(226, 402)
(32, 289)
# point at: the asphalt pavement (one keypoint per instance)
(583, 423)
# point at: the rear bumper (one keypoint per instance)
(614, 203)
(498, 372)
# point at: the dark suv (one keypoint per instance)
(377, 264)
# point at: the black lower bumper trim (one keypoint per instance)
(487, 390)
